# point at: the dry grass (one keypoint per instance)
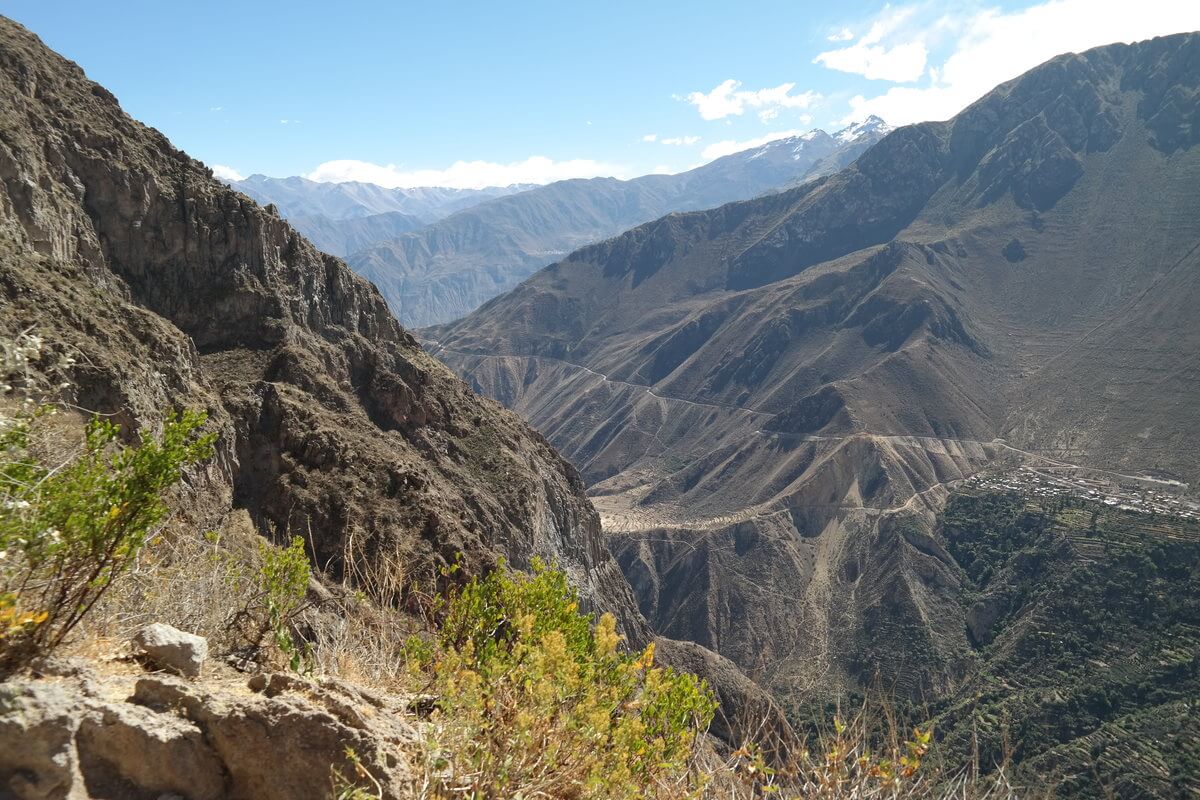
(206, 584)
(359, 631)
(867, 755)
(211, 584)
(197, 583)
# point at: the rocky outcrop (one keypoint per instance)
(78, 734)
(173, 290)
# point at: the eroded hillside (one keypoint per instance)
(166, 289)
(753, 393)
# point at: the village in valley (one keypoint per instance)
(1143, 495)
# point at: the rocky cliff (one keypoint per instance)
(173, 290)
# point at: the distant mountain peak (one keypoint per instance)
(872, 127)
(856, 130)
(795, 144)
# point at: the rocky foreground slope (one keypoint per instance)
(78, 732)
(757, 394)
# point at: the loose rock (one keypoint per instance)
(172, 648)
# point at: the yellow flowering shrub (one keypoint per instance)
(535, 700)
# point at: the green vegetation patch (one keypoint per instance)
(1086, 620)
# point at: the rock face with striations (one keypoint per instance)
(174, 290)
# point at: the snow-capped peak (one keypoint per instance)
(856, 130)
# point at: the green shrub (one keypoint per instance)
(283, 581)
(68, 530)
(534, 700)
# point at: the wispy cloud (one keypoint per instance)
(869, 57)
(226, 173)
(982, 48)
(289, 122)
(465, 174)
(681, 141)
(844, 35)
(730, 146)
(650, 137)
(729, 99)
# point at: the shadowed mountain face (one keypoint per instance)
(757, 393)
(449, 268)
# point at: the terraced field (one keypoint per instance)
(1085, 621)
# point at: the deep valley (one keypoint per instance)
(832, 466)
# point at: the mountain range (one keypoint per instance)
(449, 268)
(443, 270)
(914, 416)
(301, 197)
(772, 400)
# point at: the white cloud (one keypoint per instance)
(991, 46)
(683, 141)
(464, 174)
(650, 137)
(899, 63)
(727, 99)
(844, 35)
(226, 173)
(902, 63)
(729, 146)
(215, 108)
(289, 122)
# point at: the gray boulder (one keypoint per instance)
(172, 648)
(160, 737)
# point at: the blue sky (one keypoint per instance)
(484, 93)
